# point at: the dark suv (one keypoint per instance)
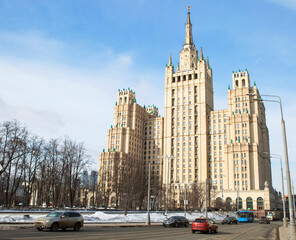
(229, 220)
(63, 220)
(176, 221)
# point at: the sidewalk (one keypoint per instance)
(284, 233)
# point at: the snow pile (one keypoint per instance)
(19, 218)
(141, 217)
(104, 217)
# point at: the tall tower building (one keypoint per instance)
(188, 105)
(224, 151)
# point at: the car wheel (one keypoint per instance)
(77, 226)
(222, 223)
(39, 229)
(235, 222)
(193, 231)
(54, 227)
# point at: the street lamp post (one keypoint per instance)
(206, 190)
(221, 176)
(283, 191)
(168, 178)
(148, 198)
(291, 212)
(293, 197)
(185, 201)
(237, 199)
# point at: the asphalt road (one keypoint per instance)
(246, 231)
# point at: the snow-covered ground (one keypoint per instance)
(104, 217)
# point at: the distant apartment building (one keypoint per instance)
(227, 150)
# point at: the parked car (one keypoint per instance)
(63, 220)
(229, 220)
(176, 221)
(204, 225)
(264, 220)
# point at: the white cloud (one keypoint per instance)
(55, 98)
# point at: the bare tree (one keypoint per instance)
(196, 197)
(31, 165)
(75, 158)
(13, 149)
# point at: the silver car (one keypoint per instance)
(63, 220)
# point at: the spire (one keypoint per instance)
(188, 15)
(201, 55)
(188, 36)
(170, 60)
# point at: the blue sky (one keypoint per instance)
(61, 62)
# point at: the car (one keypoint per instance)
(229, 220)
(204, 225)
(264, 220)
(63, 220)
(176, 221)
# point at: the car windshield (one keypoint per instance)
(54, 214)
(200, 220)
(173, 218)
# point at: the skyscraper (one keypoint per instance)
(226, 150)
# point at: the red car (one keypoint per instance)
(204, 225)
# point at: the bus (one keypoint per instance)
(245, 216)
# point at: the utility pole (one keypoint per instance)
(293, 198)
(222, 188)
(264, 206)
(292, 226)
(185, 201)
(283, 197)
(168, 179)
(237, 201)
(206, 209)
(148, 198)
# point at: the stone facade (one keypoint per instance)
(227, 148)
(134, 139)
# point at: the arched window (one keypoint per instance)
(244, 82)
(260, 203)
(249, 203)
(236, 83)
